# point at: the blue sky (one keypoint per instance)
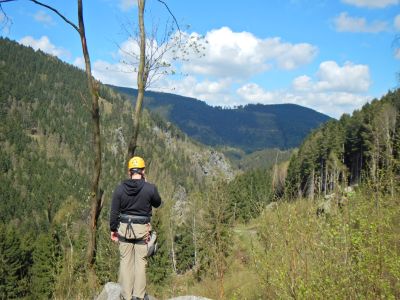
(329, 55)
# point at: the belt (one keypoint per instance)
(132, 241)
(132, 219)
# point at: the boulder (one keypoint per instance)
(332, 204)
(272, 206)
(189, 298)
(112, 290)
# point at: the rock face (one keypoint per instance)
(112, 290)
(180, 207)
(189, 298)
(272, 206)
(212, 164)
(332, 204)
(119, 143)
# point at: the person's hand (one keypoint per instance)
(114, 236)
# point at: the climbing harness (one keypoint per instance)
(151, 236)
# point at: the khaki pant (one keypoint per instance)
(133, 261)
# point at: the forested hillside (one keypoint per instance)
(357, 148)
(250, 128)
(45, 162)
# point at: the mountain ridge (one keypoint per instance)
(251, 127)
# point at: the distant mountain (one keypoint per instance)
(252, 127)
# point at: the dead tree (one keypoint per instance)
(95, 193)
(151, 64)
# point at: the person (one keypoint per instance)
(131, 211)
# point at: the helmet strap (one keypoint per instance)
(136, 171)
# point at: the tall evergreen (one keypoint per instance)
(362, 146)
(46, 257)
(13, 264)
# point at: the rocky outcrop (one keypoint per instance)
(189, 298)
(119, 143)
(271, 206)
(213, 164)
(180, 207)
(112, 290)
(333, 203)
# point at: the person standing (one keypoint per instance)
(131, 211)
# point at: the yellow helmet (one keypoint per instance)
(136, 162)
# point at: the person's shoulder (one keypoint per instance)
(120, 186)
(150, 186)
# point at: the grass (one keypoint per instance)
(289, 252)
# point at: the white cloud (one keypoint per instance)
(331, 77)
(126, 5)
(241, 55)
(349, 78)
(42, 17)
(129, 50)
(371, 3)
(79, 62)
(345, 23)
(302, 83)
(230, 57)
(397, 22)
(2, 17)
(253, 93)
(213, 92)
(116, 74)
(45, 45)
(334, 91)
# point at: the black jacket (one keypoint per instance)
(133, 197)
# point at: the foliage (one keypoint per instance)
(346, 151)
(45, 264)
(15, 264)
(215, 234)
(351, 255)
(249, 193)
(263, 159)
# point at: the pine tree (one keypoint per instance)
(13, 270)
(160, 264)
(44, 269)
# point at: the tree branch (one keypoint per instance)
(6, 19)
(48, 7)
(176, 22)
(57, 12)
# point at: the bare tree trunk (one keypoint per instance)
(312, 185)
(141, 81)
(194, 238)
(326, 178)
(96, 193)
(173, 250)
